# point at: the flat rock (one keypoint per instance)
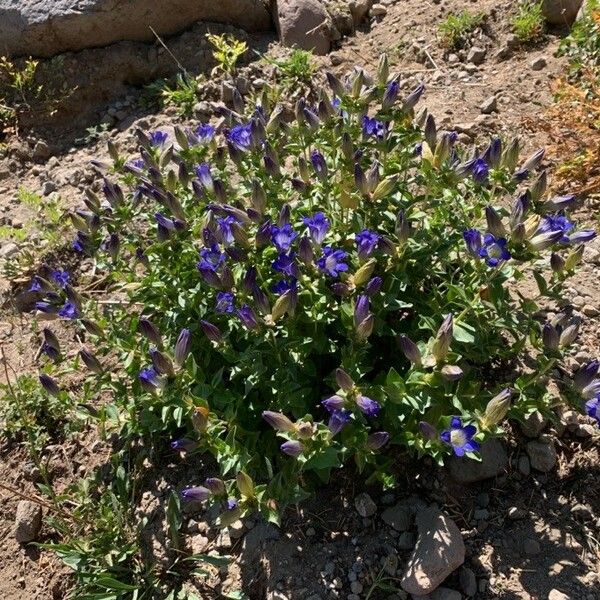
(304, 24)
(439, 551)
(561, 12)
(365, 506)
(48, 27)
(28, 521)
(494, 460)
(399, 517)
(542, 455)
(489, 105)
(476, 55)
(533, 424)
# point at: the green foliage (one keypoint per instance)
(528, 22)
(582, 45)
(296, 68)
(227, 51)
(181, 93)
(18, 88)
(93, 134)
(325, 257)
(456, 28)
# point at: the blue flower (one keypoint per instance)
(556, 223)
(369, 408)
(225, 302)
(318, 225)
(333, 404)
(292, 448)
(592, 408)
(286, 264)
(283, 237)
(205, 133)
(366, 241)
(69, 310)
(581, 237)
(36, 285)
(319, 164)
(331, 262)
(241, 136)
(459, 437)
(211, 258)
(149, 379)
(391, 93)
(283, 286)
(204, 175)
(195, 494)
(247, 316)
(137, 163)
(61, 278)
(226, 229)
(373, 128)
(158, 138)
(494, 250)
(338, 420)
(472, 239)
(480, 171)
(231, 504)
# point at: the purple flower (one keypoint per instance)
(472, 239)
(592, 408)
(480, 171)
(366, 242)
(283, 237)
(49, 384)
(204, 175)
(373, 286)
(373, 128)
(556, 223)
(292, 448)
(338, 420)
(318, 225)
(226, 229)
(459, 437)
(247, 316)
(184, 445)
(319, 164)
(69, 310)
(211, 331)
(241, 136)
(204, 133)
(149, 379)
(333, 403)
(494, 250)
(377, 440)
(195, 494)
(211, 258)
(61, 278)
(138, 163)
(580, 237)
(283, 286)
(231, 504)
(225, 303)
(158, 138)
(332, 262)
(369, 408)
(286, 264)
(391, 94)
(36, 285)
(361, 309)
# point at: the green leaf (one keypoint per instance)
(464, 333)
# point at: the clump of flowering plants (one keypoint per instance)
(303, 288)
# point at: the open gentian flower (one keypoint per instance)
(283, 286)
(373, 128)
(158, 138)
(286, 264)
(369, 408)
(225, 302)
(211, 258)
(318, 225)
(459, 437)
(283, 237)
(494, 250)
(366, 242)
(241, 136)
(556, 223)
(204, 133)
(592, 408)
(61, 278)
(338, 420)
(226, 229)
(480, 171)
(69, 310)
(204, 175)
(149, 379)
(332, 262)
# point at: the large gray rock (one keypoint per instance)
(561, 12)
(48, 27)
(439, 551)
(304, 24)
(494, 461)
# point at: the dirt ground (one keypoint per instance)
(526, 533)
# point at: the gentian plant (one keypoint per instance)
(339, 282)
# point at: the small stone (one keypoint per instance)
(539, 63)
(542, 454)
(399, 517)
(585, 431)
(524, 466)
(8, 250)
(48, 187)
(41, 150)
(443, 593)
(476, 55)
(494, 461)
(557, 595)
(489, 106)
(227, 90)
(514, 513)
(531, 547)
(236, 530)
(365, 506)
(356, 587)
(406, 541)
(378, 10)
(223, 539)
(310, 532)
(533, 424)
(28, 521)
(468, 581)
(453, 59)
(590, 311)
(200, 544)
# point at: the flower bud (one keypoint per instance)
(333, 403)
(441, 344)
(216, 486)
(569, 334)
(557, 263)
(335, 84)
(211, 331)
(304, 430)
(90, 361)
(402, 228)
(182, 347)
(150, 331)
(410, 350)
(344, 380)
(413, 98)
(278, 421)
(259, 198)
(550, 337)
(533, 161)
(162, 363)
(374, 286)
(385, 188)
(292, 448)
(383, 69)
(92, 328)
(200, 418)
(391, 94)
(49, 384)
(364, 273)
(538, 189)
(245, 484)
(541, 241)
(428, 431)
(377, 440)
(585, 375)
(195, 494)
(510, 155)
(347, 146)
(494, 222)
(365, 329)
(574, 257)
(430, 131)
(497, 408)
(305, 251)
(451, 372)
(282, 305)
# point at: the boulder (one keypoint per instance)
(304, 24)
(494, 460)
(439, 551)
(561, 12)
(49, 27)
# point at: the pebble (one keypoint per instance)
(476, 55)
(406, 541)
(399, 517)
(590, 311)
(586, 431)
(28, 521)
(557, 595)
(514, 513)
(236, 530)
(581, 511)
(48, 187)
(542, 454)
(468, 581)
(378, 10)
(310, 532)
(356, 587)
(489, 106)
(531, 547)
(539, 63)
(8, 250)
(365, 506)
